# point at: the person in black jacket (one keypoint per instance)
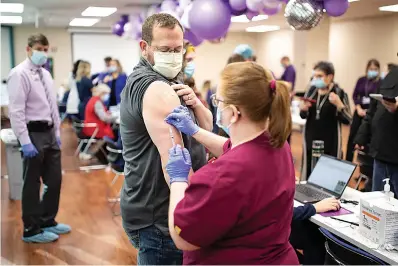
(330, 109)
(305, 235)
(380, 129)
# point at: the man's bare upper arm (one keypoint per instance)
(159, 101)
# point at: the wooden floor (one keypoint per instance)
(97, 236)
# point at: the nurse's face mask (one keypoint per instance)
(226, 115)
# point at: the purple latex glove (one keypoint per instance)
(179, 164)
(29, 150)
(181, 119)
(59, 141)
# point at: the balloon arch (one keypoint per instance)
(210, 19)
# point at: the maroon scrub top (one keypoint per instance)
(238, 209)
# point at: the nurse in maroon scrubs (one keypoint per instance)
(238, 208)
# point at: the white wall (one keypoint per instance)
(5, 52)
(272, 46)
(353, 43)
(106, 44)
(212, 58)
(60, 49)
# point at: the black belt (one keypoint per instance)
(39, 126)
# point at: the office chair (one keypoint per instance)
(340, 252)
(85, 142)
(114, 156)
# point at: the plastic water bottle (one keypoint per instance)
(317, 151)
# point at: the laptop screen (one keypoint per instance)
(331, 174)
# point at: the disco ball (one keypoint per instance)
(303, 14)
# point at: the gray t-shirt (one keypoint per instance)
(144, 197)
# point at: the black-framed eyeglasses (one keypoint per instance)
(215, 101)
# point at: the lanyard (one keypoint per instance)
(319, 105)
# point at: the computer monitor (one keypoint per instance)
(332, 174)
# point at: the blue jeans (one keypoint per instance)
(382, 171)
(154, 248)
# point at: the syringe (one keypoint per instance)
(172, 137)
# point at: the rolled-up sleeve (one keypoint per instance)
(201, 217)
(17, 90)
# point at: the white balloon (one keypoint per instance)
(128, 27)
(153, 9)
(184, 3)
(185, 17)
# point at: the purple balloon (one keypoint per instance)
(192, 38)
(118, 28)
(272, 11)
(336, 8)
(251, 14)
(209, 19)
(236, 12)
(255, 5)
(287, 1)
(124, 18)
(238, 5)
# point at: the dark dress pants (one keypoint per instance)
(38, 213)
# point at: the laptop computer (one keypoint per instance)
(328, 179)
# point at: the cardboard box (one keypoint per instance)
(378, 220)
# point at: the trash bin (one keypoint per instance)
(14, 163)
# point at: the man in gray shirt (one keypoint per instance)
(151, 93)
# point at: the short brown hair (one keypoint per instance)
(235, 58)
(162, 20)
(190, 82)
(247, 86)
(37, 38)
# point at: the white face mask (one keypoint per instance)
(167, 64)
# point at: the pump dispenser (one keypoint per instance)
(387, 189)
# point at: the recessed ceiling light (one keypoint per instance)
(10, 19)
(11, 8)
(260, 17)
(94, 11)
(240, 19)
(262, 28)
(353, 0)
(392, 8)
(83, 22)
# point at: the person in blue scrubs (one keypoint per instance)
(116, 79)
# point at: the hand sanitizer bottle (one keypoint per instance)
(387, 189)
